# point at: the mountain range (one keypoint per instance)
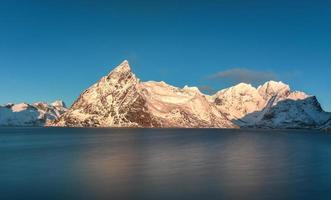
(120, 99)
(36, 114)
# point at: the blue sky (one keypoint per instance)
(55, 49)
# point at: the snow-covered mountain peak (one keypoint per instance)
(121, 100)
(242, 87)
(272, 83)
(273, 87)
(121, 75)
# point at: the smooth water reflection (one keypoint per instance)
(58, 163)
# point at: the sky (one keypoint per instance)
(53, 50)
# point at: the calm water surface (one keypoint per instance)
(58, 163)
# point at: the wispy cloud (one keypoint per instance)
(206, 89)
(238, 75)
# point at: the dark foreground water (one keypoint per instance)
(51, 163)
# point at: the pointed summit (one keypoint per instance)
(123, 67)
(120, 73)
(125, 62)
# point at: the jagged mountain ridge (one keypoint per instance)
(36, 114)
(271, 105)
(120, 99)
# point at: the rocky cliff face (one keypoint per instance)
(36, 114)
(121, 100)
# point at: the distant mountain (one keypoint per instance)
(272, 105)
(305, 113)
(120, 99)
(36, 114)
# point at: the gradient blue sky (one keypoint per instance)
(55, 49)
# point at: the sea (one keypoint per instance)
(116, 164)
